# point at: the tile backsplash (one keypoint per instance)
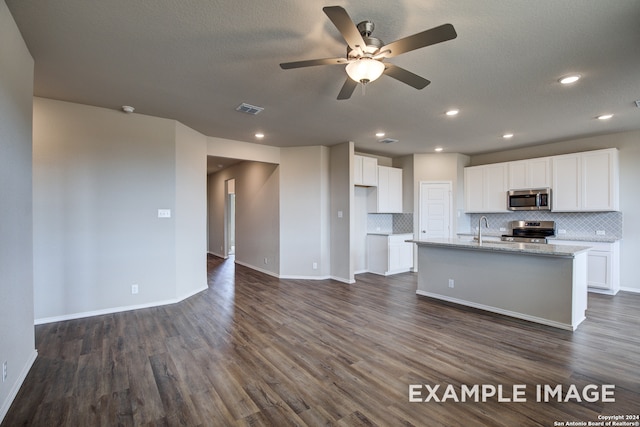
(390, 223)
(576, 224)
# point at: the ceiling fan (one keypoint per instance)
(366, 54)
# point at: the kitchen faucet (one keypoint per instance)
(486, 224)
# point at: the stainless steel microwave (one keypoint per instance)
(537, 199)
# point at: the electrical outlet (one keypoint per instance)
(600, 232)
(134, 289)
(503, 229)
(4, 371)
(164, 213)
(451, 283)
(266, 260)
(315, 265)
(562, 231)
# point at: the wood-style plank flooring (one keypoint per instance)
(255, 350)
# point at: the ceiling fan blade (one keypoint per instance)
(345, 25)
(347, 89)
(426, 38)
(405, 76)
(313, 62)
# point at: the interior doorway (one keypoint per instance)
(230, 217)
(435, 210)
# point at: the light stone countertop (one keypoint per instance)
(570, 237)
(521, 248)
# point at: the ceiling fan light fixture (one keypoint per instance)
(365, 70)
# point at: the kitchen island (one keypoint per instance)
(542, 283)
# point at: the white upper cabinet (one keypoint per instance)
(600, 190)
(586, 182)
(485, 188)
(579, 182)
(387, 197)
(532, 173)
(365, 171)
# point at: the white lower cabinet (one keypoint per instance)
(603, 265)
(389, 254)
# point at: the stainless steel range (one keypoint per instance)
(530, 231)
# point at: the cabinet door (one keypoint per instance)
(383, 189)
(357, 170)
(473, 189)
(400, 256)
(599, 192)
(394, 194)
(495, 187)
(539, 173)
(369, 171)
(566, 191)
(599, 270)
(518, 175)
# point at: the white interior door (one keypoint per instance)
(435, 210)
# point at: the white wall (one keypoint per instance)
(629, 145)
(342, 199)
(100, 177)
(191, 211)
(304, 212)
(17, 342)
(439, 167)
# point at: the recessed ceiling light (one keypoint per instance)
(259, 135)
(507, 135)
(452, 112)
(605, 117)
(438, 149)
(567, 80)
(380, 134)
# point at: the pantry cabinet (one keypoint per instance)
(586, 182)
(485, 188)
(365, 171)
(387, 196)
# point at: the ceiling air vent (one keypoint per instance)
(388, 141)
(249, 109)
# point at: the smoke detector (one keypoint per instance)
(128, 109)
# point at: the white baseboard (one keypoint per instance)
(504, 312)
(261, 270)
(634, 290)
(218, 255)
(296, 277)
(343, 280)
(15, 388)
(112, 310)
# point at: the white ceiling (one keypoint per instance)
(195, 61)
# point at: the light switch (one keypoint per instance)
(164, 213)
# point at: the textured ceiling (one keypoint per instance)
(195, 61)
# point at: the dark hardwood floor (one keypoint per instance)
(255, 350)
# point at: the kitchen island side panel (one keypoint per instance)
(544, 289)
